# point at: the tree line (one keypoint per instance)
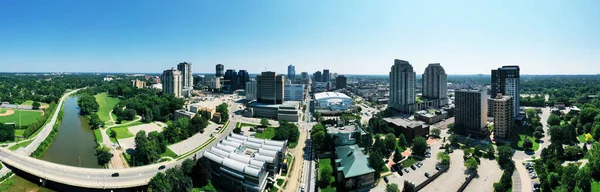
(191, 175)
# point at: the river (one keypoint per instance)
(74, 145)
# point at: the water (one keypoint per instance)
(74, 145)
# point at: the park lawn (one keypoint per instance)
(122, 132)
(408, 162)
(30, 103)
(595, 185)
(327, 162)
(98, 135)
(519, 137)
(27, 117)
(105, 104)
(2, 110)
(268, 133)
(19, 132)
(536, 145)
(169, 153)
(22, 144)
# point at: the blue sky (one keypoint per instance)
(345, 36)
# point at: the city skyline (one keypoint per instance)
(466, 37)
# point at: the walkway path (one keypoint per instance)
(117, 161)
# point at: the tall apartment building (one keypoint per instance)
(187, 80)
(340, 82)
(503, 115)
(219, 70)
(435, 82)
(470, 112)
(171, 82)
(326, 76)
(402, 86)
(293, 92)
(505, 80)
(291, 72)
(251, 87)
(138, 83)
(242, 79)
(270, 88)
(304, 75)
(317, 76)
(231, 80)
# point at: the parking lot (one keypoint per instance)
(453, 178)
(489, 173)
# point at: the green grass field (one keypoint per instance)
(268, 133)
(98, 135)
(22, 144)
(27, 117)
(106, 104)
(519, 136)
(322, 163)
(595, 185)
(2, 110)
(19, 132)
(169, 153)
(30, 103)
(122, 132)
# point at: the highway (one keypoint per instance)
(96, 178)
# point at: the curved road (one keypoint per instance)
(90, 177)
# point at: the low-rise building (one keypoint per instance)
(204, 111)
(288, 111)
(138, 84)
(409, 128)
(352, 169)
(345, 135)
(333, 101)
(431, 116)
(182, 113)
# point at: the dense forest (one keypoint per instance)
(44, 88)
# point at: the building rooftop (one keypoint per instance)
(353, 162)
(330, 95)
(402, 122)
(183, 111)
(344, 129)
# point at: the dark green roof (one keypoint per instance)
(352, 161)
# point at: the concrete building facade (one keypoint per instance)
(171, 82)
(138, 83)
(470, 112)
(187, 80)
(340, 82)
(219, 70)
(251, 87)
(317, 76)
(326, 76)
(402, 86)
(506, 81)
(242, 79)
(230, 80)
(435, 82)
(504, 121)
(291, 72)
(293, 92)
(270, 88)
(409, 128)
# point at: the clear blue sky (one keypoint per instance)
(348, 37)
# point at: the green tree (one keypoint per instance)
(237, 130)
(419, 146)
(538, 135)
(453, 140)
(596, 132)
(450, 127)
(392, 187)
(159, 183)
(553, 120)
(188, 167)
(35, 105)
(583, 179)
(95, 121)
(113, 134)
(593, 155)
(318, 139)
(264, 122)
(505, 154)
(435, 132)
(490, 152)
(326, 173)
(553, 179)
(402, 141)
(443, 158)
(478, 151)
(408, 186)
(568, 178)
(471, 164)
(397, 155)
(103, 154)
(376, 162)
(202, 172)
(527, 144)
(390, 141)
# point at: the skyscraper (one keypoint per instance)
(187, 80)
(304, 75)
(317, 76)
(470, 112)
(504, 121)
(219, 72)
(270, 88)
(326, 76)
(435, 82)
(171, 82)
(340, 82)
(242, 79)
(291, 72)
(402, 86)
(505, 80)
(230, 80)
(251, 87)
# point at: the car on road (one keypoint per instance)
(386, 179)
(161, 167)
(115, 175)
(406, 170)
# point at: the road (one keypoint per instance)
(98, 178)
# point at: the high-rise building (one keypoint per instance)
(505, 80)
(470, 112)
(402, 86)
(187, 80)
(230, 80)
(251, 87)
(138, 83)
(219, 72)
(435, 82)
(326, 76)
(340, 82)
(317, 76)
(242, 79)
(504, 121)
(291, 72)
(270, 88)
(304, 75)
(171, 82)
(293, 92)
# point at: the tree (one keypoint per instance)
(326, 172)
(538, 135)
(390, 142)
(392, 187)
(206, 188)
(286, 131)
(435, 132)
(264, 122)
(146, 151)
(402, 141)
(188, 167)
(159, 183)
(95, 121)
(376, 162)
(113, 134)
(178, 180)
(103, 154)
(203, 171)
(450, 127)
(224, 111)
(553, 120)
(593, 155)
(505, 154)
(471, 164)
(7, 132)
(583, 179)
(572, 152)
(589, 138)
(553, 179)
(596, 133)
(419, 146)
(35, 105)
(397, 155)
(443, 158)
(379, 144)
(568, 178)
(318, 139)
(478, 151)
(527, 144)
(237, 130)
(408, 186)
(490, 151)
(453, 140)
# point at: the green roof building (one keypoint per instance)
(352, 168)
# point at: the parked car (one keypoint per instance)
(426, 174)
(406, 170)
(419, 164)
(437, 167)
(413, 167)
(536, 187)
(115, 175)
(386, 179)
